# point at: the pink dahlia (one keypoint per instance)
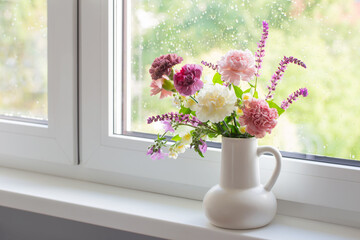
(187, 80)
(163, 64)
(237, 65)
(258, 117)
(157, 87)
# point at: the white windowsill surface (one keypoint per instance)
(142, 212)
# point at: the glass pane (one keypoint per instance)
(23, 58)
(324, 34)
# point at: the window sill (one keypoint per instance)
(142, 212)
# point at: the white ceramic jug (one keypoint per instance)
(240, 201)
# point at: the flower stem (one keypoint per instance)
(236, 127)
(193, 99)
(256, 78)
(207, 127)
(227, 128)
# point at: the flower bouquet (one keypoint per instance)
(218, 108)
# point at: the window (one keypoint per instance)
(24, 56)
(121, 159)
(324, 35)
(112, 98)
(38, 81)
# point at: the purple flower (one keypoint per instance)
(158, 155)
(210, 65)
(176, 117)
(293, 97)
(163, 64)
(150, 151)
(280, 72)
(202, 146)
(260, 53)
(187, 81)
(168, 127)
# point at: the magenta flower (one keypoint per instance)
(293, 97)
(168, 127)
(258, 118)
(163, 64)
(237, 65)
(260, 53)
(202, 146)
(187, 81)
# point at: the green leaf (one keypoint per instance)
(212, 135)
(185, 110)
(251, 85)
(233, 129)
(256, 94)
(199, 152)
(274, 105)
(228, 119)
(238, 91)
(247, 90)
(168, 85)
(217, 79)
(176, 138)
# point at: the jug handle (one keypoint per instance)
(268, 149)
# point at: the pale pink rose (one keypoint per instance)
(237, 65)
(258, 117)
(156, 87)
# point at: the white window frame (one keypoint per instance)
(56, 141)
(300, 182)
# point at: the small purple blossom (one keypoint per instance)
(202, 146)
(150, 151)
(158, 155)
(260, 53)
(168, 127)
(293, 97)
(210, 65)
(280, 72)
(176, 117)
(163, 64)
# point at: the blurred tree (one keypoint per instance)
(23, 57)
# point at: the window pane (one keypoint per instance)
(324, 34)
(23, 57)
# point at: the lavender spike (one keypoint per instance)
(293, 97)
(260, 53)
(280, 72)
(210, 65)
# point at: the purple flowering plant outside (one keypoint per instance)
(219, 108)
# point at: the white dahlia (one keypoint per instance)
(215, 102)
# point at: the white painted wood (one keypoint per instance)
(56, 141)
(142, 212)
